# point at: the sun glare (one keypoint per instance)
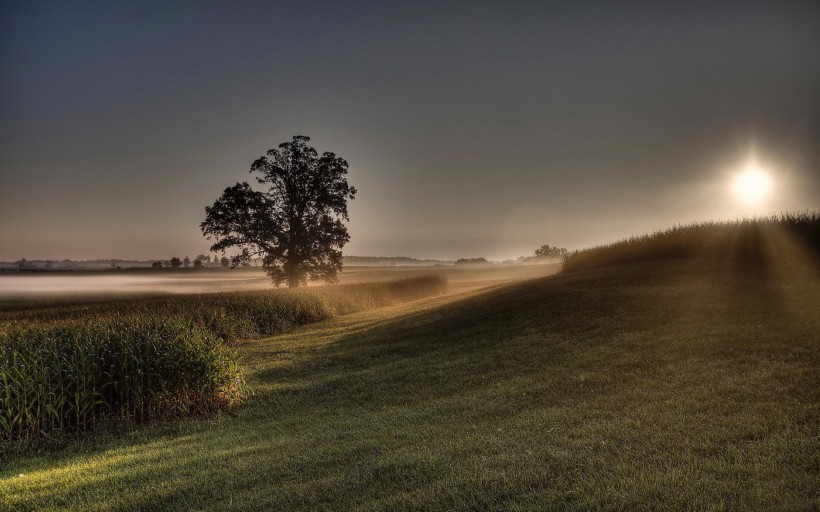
(752, 185)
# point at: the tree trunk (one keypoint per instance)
(294, 276)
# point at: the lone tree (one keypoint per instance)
(295, 226)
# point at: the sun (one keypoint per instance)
(752, 185)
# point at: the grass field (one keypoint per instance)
(65, 367)
(678, 385)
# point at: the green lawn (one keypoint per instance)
(636, 387)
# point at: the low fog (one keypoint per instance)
(91, 284)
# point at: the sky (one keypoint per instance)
(475, 129)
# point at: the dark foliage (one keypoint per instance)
(472, 261)
(547, 252)
(295, 226)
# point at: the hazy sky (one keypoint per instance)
(472, 129)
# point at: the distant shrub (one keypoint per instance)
(787, 239)
(68, 376)
(472, 261)
(545, 252)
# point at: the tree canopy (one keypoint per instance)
(547, 252)
(296, 224)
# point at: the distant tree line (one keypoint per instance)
(391, 261)
(542, 254)
(472, 261)
(545, 253)
(201, 261)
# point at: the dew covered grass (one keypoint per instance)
(665, 385)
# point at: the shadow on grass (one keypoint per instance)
(529, 394)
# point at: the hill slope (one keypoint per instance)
(690, 386)
(789, 240)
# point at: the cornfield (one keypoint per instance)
(67, 367)
(787, 240)
(65, 377)
(234, 315)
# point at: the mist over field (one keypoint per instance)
(94, 284)
(30, 286)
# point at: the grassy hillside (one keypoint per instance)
(770, 243)
(688, 386)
